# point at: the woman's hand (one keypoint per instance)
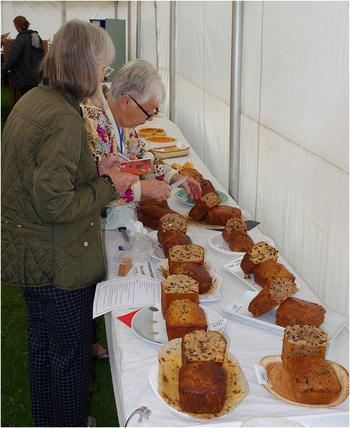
(121, 180)
(110, 162)
(159, 190)
(191, 186)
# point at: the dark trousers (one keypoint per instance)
(59, 345)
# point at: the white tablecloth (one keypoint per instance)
(131, 357)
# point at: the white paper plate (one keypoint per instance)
(238, 307)
(184, 197)
(234, 267)
(149, 323)
(218, 244)
(210, 296)
(159, 252)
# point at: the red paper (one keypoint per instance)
(126, 319)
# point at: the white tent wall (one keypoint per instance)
(294, 172)
(294, 136)
(47, 16)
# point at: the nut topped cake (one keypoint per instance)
(260, 252)
(171, 222)
(203, 346)
(303, 340)
(186, 253)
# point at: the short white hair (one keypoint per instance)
(139, 79)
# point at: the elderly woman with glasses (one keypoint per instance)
(135, 93)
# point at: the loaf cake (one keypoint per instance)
(240, 241)
(274, 293)
(178, 287)
(182, 317)
(303, 340)
(314, 380)
(148, 200)
(260, 252)
(186, 253)
(265, 271)
(195, 271)
(150, 215)
(219, 215)
(233, 224)
(297, 311)
(206, 186)
(171, 222)
(203, 205)
(202, 387)
(203, 346)
(172, 238)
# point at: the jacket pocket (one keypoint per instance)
(78, 254)
(26, 254)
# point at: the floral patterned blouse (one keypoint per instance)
(103, 142)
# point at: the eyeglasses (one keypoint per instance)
(140, 107)
(108, 69)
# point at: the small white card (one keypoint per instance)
(181, 145)
(261, 375)
(218, 325)
(233, 265)
(234, 306)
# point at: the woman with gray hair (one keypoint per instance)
(52, 196)
(135, 92)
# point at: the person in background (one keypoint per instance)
(110, 123)
(25, 55)
(52, 194)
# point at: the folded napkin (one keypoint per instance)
(119, 216)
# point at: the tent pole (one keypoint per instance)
(235, 98)
(129, 30)
(64, 14)
(172, 61)
(138, 29)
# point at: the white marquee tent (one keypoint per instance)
(261, 92)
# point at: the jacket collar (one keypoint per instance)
(67, 96)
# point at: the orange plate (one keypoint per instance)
(282, 385)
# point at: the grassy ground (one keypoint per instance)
(15, 395)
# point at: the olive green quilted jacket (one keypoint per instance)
(51, 195)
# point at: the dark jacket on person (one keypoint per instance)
(51, 195)
(25, 55)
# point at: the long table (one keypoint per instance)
(131, 358)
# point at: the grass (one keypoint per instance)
(15, 394)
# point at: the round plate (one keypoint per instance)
(149, 323)
(282, 387)
(217, 243)
(183, 197)
(163, 378)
